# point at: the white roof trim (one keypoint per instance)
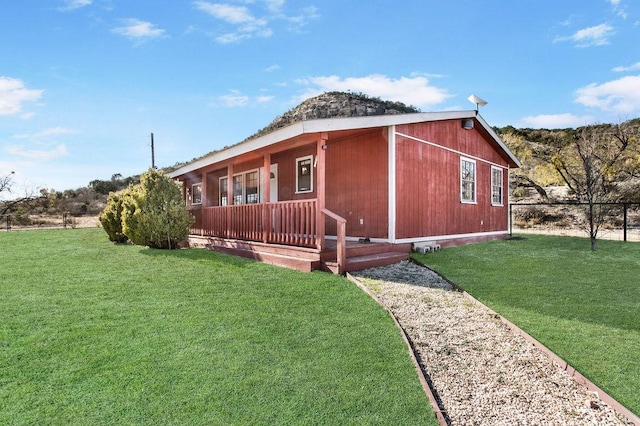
(332, 125)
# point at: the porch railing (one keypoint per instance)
(284, 222)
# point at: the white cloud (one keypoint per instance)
(13, 94)
(416, 91)
(620, 96)
(264, 99)
(226, 12)
(557, 121)
(597, 35)
(43, 155)
(75, 4)
(247, 26)
(234, 99)
(248, 22)
(272, 68)
(618, 9)
(53, 131)
(275, 5)
(139, 31)
(634, 67)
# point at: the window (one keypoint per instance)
(238, 189)
(246, 188)
(251, 187)
(496, 186)
(223, 191)
(304, 174)
(196, 193)
(467, 180)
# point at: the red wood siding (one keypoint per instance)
(287, 173)
(357, 187)
(213, 187)
(428, 182)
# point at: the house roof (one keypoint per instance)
(338, 124)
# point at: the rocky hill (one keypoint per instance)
(335, 105)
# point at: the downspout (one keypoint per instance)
(266, 197)
(391, 180)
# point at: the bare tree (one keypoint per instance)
(593, 161)
(6, 182)
(6, 186)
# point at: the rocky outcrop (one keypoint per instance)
(335, 105)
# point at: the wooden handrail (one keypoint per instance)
(283, 222)
(341, 255)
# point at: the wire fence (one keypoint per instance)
(620, 221)
(10, 222)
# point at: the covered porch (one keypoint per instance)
(269, 202)
(285, 233)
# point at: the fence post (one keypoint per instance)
(510, 220)
(624, 220)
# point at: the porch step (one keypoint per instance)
(358, 263)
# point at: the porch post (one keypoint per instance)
(204, 190)
(266, 198)
(229, 199)
(321, 147)
(203, 202)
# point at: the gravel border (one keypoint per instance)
(478, 368)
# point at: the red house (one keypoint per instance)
(343, 194)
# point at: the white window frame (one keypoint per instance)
(223, 202)
(474, 198)
(193, 193)
(308, 158)
(244, 186)
(243, 195)
(499, 186)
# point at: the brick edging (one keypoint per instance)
(441, 414)
(577, 376)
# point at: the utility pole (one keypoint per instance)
(153, 155)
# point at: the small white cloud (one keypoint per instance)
(557, 121)
(618, 9)
(226, 12)
(13, 94)
(275, 5)
(264, 99)
(75, 4)
(43, 155)
(47, 133)
(634, 67)
(620, 96)
(234, 99)
(302, 19)
(597, 35)
(139, 31)
(272, 68)
(245, 22)
(416, 91)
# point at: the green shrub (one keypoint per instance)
(111, 218)
(154, 213)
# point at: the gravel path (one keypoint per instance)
(483, 372)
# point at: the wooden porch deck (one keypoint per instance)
(360, 255)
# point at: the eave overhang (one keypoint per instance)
(334, 125)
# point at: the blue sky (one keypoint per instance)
(83, 83)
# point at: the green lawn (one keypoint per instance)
(583, 305)
(96, 333)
